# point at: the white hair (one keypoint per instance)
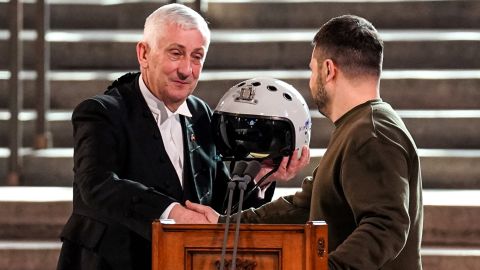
(178, 14)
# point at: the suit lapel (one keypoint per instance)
(144, 122)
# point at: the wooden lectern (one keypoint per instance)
(260, 246)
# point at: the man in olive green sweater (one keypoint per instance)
(367, 186)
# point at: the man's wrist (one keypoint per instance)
(166, 213)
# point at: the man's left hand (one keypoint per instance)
(285, 171)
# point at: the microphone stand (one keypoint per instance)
(242, 186)
(243, 173)
(231, 188)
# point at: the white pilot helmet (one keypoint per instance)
(261, 118)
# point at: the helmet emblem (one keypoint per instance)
(247, 94)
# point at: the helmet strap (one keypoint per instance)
(258, 184)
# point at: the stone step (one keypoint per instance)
(404, 89)
(457, 129)
(441, 168)
(95, 14)
(34, 212)
(459, 258)
(107, 14)
(253, 49)
(49, 167)
(312, 14)
(451, 216)
(450, 238)
(29, 255)
(429, 128)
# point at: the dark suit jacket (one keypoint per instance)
(124, 178)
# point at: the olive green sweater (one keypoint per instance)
(368, 189)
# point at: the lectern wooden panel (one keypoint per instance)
(260, 246)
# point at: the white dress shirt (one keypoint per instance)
(170, 129)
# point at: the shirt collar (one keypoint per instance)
(157, 106)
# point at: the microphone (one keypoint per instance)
(252, 169)
(239, 170)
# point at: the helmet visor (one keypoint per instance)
(251, 136)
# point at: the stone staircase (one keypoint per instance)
(431, 76)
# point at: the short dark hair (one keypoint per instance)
(352, 43)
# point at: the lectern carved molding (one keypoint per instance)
(260, 246)
(241, 264)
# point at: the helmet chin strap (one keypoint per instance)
(258, 184)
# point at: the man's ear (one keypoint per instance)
(329, 69)
(142, 54)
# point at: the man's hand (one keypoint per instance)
(206, 211)
(284, 172)
(183, 215)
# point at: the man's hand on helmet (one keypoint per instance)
(285, 171)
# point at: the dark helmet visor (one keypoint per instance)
(251, 136)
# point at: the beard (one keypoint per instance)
(320, 98)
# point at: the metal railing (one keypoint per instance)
(42, 54)
(15, 91)
(15, 85)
